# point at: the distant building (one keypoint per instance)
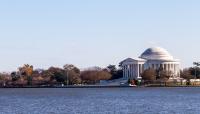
(154, 58)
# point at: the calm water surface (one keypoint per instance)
(100, 101)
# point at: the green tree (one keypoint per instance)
(196, 69)
(116, 73)
(195, 72)
(57, 74)
(15, 76)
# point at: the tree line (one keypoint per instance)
(68, 75)
(152, 75)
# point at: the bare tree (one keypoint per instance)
(149, 75)
(165, 75)
(186, 74)
(92, 76)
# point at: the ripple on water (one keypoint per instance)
(100, 101)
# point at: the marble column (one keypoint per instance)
(126, 72)
(142, 68)
(175, 69)
(168, 67)
(138, 71)
(123, 72)
(172, 68)
(129, 71)
(130, 76)
(178, 70)
(132, 70)
(135, 71)
(163, 66)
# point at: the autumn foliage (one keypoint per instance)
(26, 75)
(93, 76)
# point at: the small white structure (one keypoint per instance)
(155, 58)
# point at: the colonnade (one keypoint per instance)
(134, 71)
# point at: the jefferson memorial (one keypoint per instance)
(155, 58)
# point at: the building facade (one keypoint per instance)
(154, 58)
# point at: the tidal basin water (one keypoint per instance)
(100, 101)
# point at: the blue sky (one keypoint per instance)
(88, 33)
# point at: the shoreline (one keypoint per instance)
(97, 86)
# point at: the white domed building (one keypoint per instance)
(154, 58)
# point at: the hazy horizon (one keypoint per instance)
(95, 33)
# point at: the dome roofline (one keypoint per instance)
(156, 53)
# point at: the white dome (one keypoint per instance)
(156, 53)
